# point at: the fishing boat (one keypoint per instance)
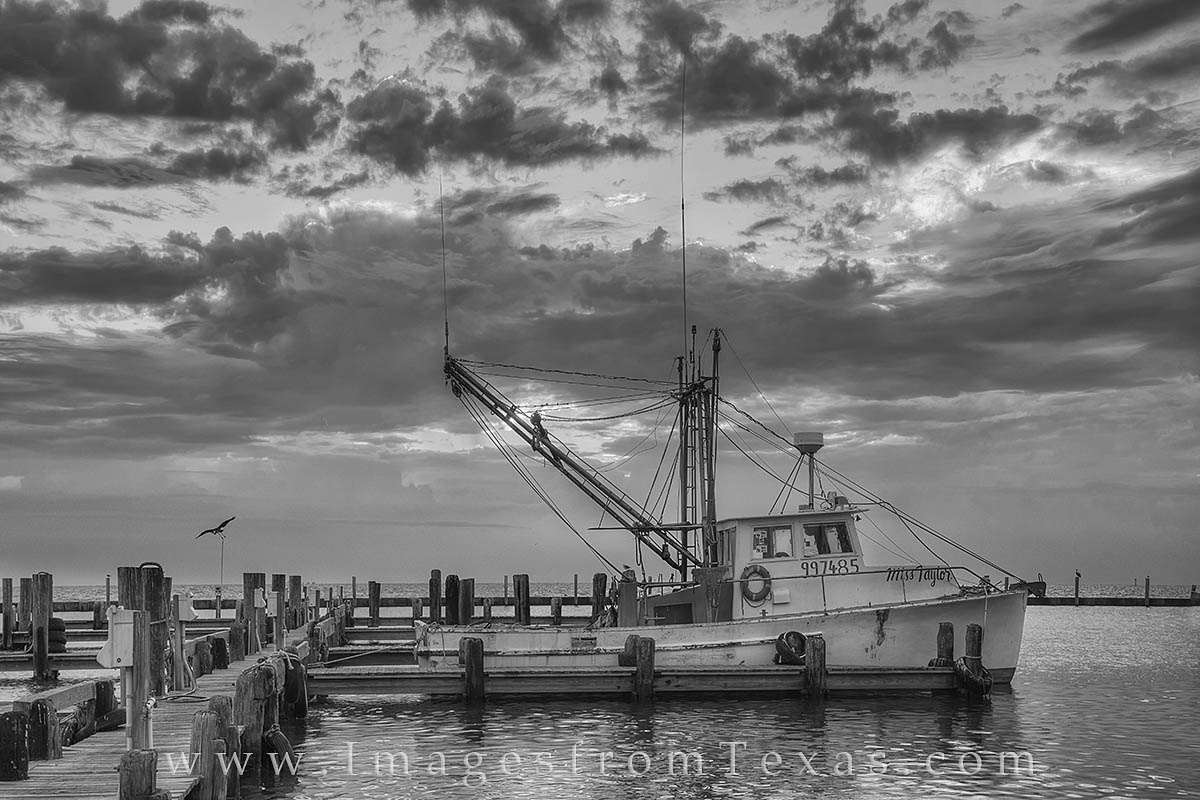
(746, 589)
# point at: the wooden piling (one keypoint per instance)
(9, 615)
(138, 775)
(1147, 591)
(487, 609)
(556, 611)
(506, 589)
(452, 592)
(466, 601)
(108, 590)
(643, 674)
(155, 603)
(599, 592)
(251, 692)
(945, 645)
(99, 615)
(25, 605)
(220, 653)
(575, 591)
(222, 706)
(43, 602)
(45, 740)
(435, 596)
(14, 746)
(237, 641)
(280, 614)
(1076, 587)
(137, 732)
(814, 665)
(521, 598)
(417, 610)
(628, 655)
(177, 666)
(470, 650)
(373, 591)
(207, 741)
(295, 602)
(627, 602)
(204, 658)
(974, 656)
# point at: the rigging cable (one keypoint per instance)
(445, 290)
(755, 383)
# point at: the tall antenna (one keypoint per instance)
(445, 292)
(682, 201)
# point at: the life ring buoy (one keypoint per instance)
(752, 572)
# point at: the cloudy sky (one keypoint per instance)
(958, 237)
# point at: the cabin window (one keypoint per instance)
(725, 544)
(826, 539)
(773, 541)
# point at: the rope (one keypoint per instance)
(565, 372)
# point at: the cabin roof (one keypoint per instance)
(805, 515)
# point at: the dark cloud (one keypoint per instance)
(300, 187)
(9, 192)
(540, 27)
(766, 190)
(670, 23)
(880, 135)
(1012, 9)
(220, 163)
(396, 124)
(1115, 23)
(610, 82)
(818, 176)
(763, 224)
(905, 11)
(523, 203)
(95, 171)
(167, 58)
(1143, 74)
(945, 47)
(128, 275)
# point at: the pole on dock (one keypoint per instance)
(138, 773)
(281, 615)
(435, 596)
(521, 598)
(135, 685)
(417, 610)
(295, 602)
(222, 706)
(575, 591)
(177, 666)
(206, 743)
(945, 645)
(470, 650)
(556, 610)
(466, 601)
(1077, 577)
(627, 601)
(237, 635)
(1147, 591)
(14, 746)
(45, 739)
(487, 609)
(373, 590)
(643, 672)
(43, 602)
(108, 590)
(974, 656)
(506, 589)
(25, 605)
(599, 591)
(814, 665)
(155, 603)
(6, 597)
(452, 591)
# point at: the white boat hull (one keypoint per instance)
(896, 635)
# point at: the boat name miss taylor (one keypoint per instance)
(931, 574)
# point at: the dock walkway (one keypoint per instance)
(88, 769)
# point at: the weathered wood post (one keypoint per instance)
(237, 636)
(251, 692)
(575, 591)
(137, 776)
(99, 615)
(45, 739)
(155, 603)
(9, 618)
(505, 588)
(252, 581)
(470, 650)
(295, 602)
(14, 746)
(137, 693)
(281, 616)
(599, 592)
(974, 655)
(25, 605)
(279, 587)
(435, 596)
(1147, 591)
(43, 602)
(1077, 587)
(487, 609)
(521, 612)
(222, 706)
(417, 610)
(643, 673)
(207, 741)
(945, 644)
(108, 590)
(220, 654)
(177, 666)
(628, 655)
(814, 665)
(452, 591)
(373, 590)
(556, 610)
(316, 603)
(204, 658)
(466, 601)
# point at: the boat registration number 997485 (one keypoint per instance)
(832, 566)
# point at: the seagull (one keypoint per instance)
(219, 530)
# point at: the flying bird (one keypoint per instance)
(219, 530)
